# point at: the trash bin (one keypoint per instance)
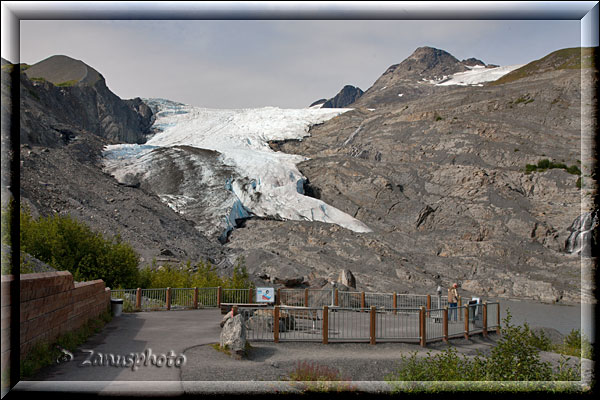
(116, 306)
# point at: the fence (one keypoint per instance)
(330, 315)
(333, 324)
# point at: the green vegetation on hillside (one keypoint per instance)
(67, 83)
(546, 164)
(66, 244)
(572, 58)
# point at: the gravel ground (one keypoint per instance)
(354, 361)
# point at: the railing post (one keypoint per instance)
(276, 324)
(219, 296)
(278, 298)
(428, 305)
(362, 300)
(195, 298)
(372, 324)
(168, 298)
(485, 332)
(325, 325)
(422, 332)
(250, 295)
(459, 305)
(306, 297)
(138, 299)
(466, 322)
(234, 311)
(395, 297)
(445, 325)
(337, 298)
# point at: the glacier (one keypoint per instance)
(222, 166)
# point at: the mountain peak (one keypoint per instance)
(348, 95)
(61, 69)
(427, 62)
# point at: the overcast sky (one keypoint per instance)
(289, 64)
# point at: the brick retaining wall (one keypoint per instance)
(51, 304)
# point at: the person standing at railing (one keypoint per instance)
(453, 302)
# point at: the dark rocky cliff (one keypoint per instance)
(62, 98)
(348, 95)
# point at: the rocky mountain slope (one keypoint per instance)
(63, 131)
(62, 97)
(348, 95)
(440, 175)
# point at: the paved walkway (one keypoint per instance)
(158, 332)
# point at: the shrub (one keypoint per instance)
(321, 374)
(514, 358)
(184, 276)
(66, 244)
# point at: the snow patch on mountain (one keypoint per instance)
(267, 183)
(477, 75)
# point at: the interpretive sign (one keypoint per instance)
(265, 295)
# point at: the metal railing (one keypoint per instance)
(326, 322)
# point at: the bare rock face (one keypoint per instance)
(348, 95)
(347, 278)
(63, 98)
(233, 335)
(440, 176)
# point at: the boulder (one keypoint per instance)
(289, 282)
(233, 335)
(347, 278)
(263, 320)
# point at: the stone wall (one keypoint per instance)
(51, 304)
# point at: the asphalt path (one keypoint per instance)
(174, 334)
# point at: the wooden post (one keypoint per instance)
(337, 299)
(428, 305)
(219, 296)
(445, 325)
(195, 298)
(168, 298)
(422, 332)
(250, 295)
(459, 305)
(372, 324)
(278, 299)
(306, 297)
(466, 322)
(485, 332)
(395, 297)
(138, 299)
(362, 300)
(276, 324)
(325, 325)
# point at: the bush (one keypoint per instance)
(66, 244)
(184, 276)
(514, 358)
(545, 164)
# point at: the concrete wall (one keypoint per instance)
(51, 304)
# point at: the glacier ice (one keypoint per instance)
(265, 184)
